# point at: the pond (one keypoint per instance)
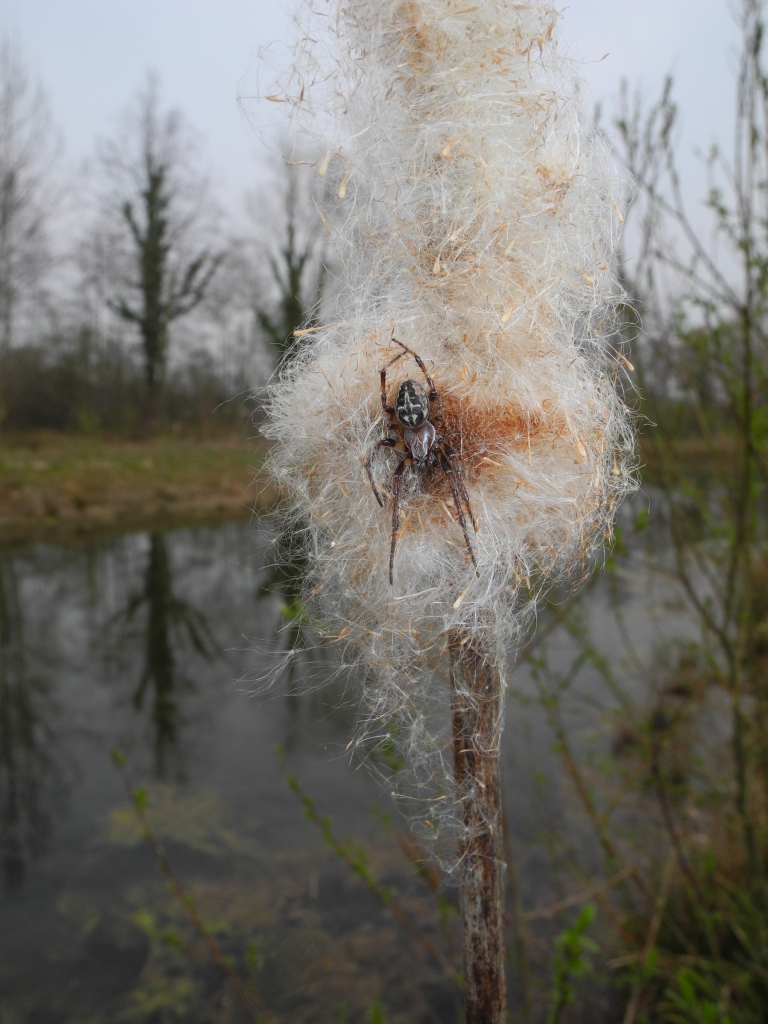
(153, 645)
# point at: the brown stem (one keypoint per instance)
(578, 899)
(477, 707)
(650, 941)
(251, 1002)
(669, 823)
(378, 890)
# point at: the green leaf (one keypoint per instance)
(173, 940)
(118, 757)
(377, 1014)
(146, 921)
(687, 991)
(253, 956)
(642, 519)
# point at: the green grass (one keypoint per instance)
(59, 485)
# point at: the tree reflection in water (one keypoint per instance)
(171, 624)
(284, 575)
(26, 741)
(315, 681)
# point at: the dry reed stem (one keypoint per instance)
(477, 707)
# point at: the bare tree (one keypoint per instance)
(163, 244)
(293, 254)
(28, 147)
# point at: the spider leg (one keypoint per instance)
(383, 372)
(460, 497)
(434, 394)
(396, 478)
(388, 410)
(436, 404)
(453, 456)
(385, 442)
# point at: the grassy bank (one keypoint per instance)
(58, 487)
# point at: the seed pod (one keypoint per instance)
(478, 216)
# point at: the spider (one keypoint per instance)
(415, 421)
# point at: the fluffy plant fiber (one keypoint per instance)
(477, 215)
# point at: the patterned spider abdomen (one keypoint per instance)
(412, 404)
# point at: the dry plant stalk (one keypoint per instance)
(477, 706)
(478, 212)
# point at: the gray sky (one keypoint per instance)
(91, 56)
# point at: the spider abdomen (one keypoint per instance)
(412, 404)
(421, 442)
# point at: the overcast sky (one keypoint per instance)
(91, 56)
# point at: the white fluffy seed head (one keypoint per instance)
(478, 213)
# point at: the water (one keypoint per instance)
(147, 643)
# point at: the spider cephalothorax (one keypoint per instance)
(414, 436)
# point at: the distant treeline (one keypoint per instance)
(127, 301)
(70, 384)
